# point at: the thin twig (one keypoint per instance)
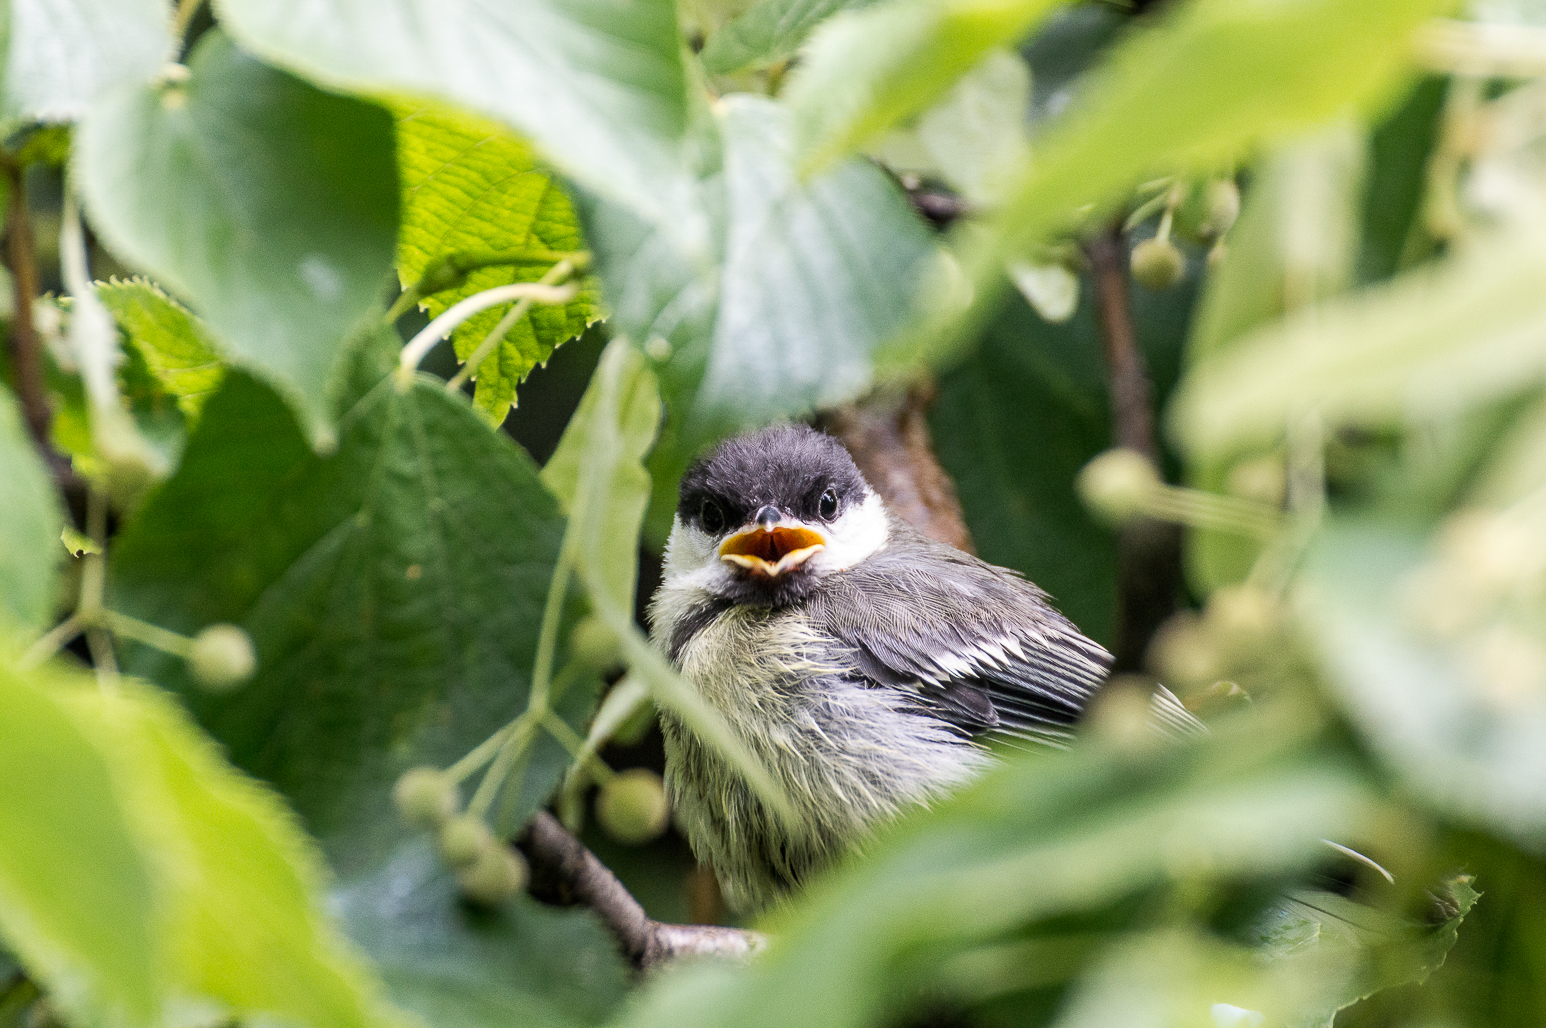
(569, 872)
(1148, 551)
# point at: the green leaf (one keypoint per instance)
(1435, 340)
(519, 964)
(600, 88)
(62, 54)
(178, 348)
(469, 185)
(768, 33)
(869, 70)
(30, 520)
(1197, 90)
(76, 899)
(393, 590)
(1065, 849)
(815, 278)
(238, 882)
(1448, 721)
(269, 205)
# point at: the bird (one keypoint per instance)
(862, 663)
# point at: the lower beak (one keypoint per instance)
(771, 552)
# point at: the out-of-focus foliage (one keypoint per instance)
(1348, 381)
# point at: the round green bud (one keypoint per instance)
(1118, 483)
(1183, 652)
(1263, 479)
(594, 645)
(222, 657)
(499, 873)
(632, 807)
(464, 840)
(1242, 617)
(1157, 263)
(425, 797)
(1221, 198)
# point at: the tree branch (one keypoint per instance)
(1148, 551)
(25, 347)
(888, 435)
(564, 871)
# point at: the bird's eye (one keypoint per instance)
(828, 506)
(712, 517)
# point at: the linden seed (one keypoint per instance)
(1118, 483)
(425, 797)
(1158, 264)
(464, 840)
(499, 873)
(593, 644)
(222, 657)
(632, 807)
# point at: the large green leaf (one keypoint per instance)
(30, 520)
(814, 278)
(1457, 727)
(177, 348)
(143, 879)
(771, 31)
(1435, 340)
(1018, 878)
(394, 591)
(519, 964)
(269, 205)
(599, 87)
(469, 185)
(76, 899)
(869, 70)
(62, 54)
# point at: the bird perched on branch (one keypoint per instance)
(862, 663)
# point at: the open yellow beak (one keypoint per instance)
(770, 552)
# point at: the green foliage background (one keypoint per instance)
(243, 213)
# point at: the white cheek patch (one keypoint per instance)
(860, 531)
(692, 560)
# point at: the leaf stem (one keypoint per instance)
(494, 777)
(556, 275)
(460, 311)
(162, 639)
(552, 614)
(452, 270)
(481, 754)
(52, 641)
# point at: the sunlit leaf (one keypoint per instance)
(176, 346)
(267, 204)
(30, 520)
(470, 185)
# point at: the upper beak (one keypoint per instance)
(771, 551)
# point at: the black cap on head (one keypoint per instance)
(788, 466)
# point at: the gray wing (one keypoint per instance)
(980, 645)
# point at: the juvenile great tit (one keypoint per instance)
(861, 662)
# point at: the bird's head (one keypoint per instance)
(765, 517)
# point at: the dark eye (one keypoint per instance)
(828, 506)
(712, 517)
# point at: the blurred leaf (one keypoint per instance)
(976, 134)
(62, 54)
(271, 205)
(1294, 246)
(1400, 148)
(768, 33)
(177, 347)
(598, 473)
(1431, 708)
(241, 920)
(76, 896)
(393, 591)
(30, 520)
(1198, 89)
(469, 185)
(518, 964)
(1057, 840)
(1431, 342)
(869, 70)
(599, 87)
(814, 279)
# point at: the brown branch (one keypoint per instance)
(1148, 551)
(563, 870)
(888, 435)
(25, 347)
